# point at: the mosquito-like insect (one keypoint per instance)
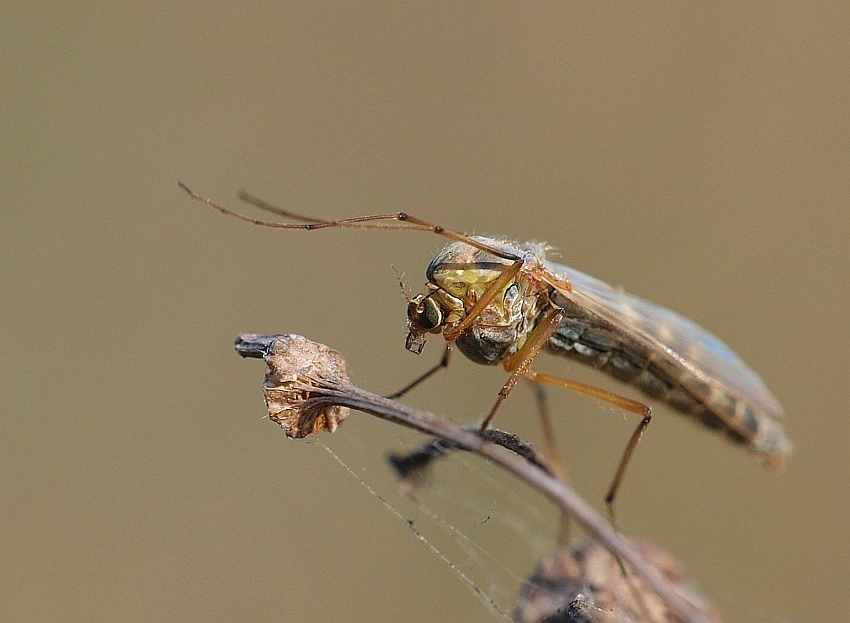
(503, 302)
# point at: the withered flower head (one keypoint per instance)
(295, 367)
(586, 584)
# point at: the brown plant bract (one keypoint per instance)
(585, 584)
(295, 365)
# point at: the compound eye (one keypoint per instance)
(428, 314)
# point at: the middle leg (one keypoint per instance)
(617, 401)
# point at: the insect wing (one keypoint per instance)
(672, 337)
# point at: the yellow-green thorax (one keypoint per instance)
(458, 277)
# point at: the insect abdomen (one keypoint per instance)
(607, 350)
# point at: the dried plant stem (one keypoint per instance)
(320, 393)
(550, 486)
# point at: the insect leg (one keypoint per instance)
(268, 207)
(553, 453)
(395, 221)
(555, 458)
(375, 221)
(444, 363)
(481, 304)
(518, 363)
(621, 469)
(612, 399)
(550, 440)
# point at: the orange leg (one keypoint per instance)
(519, 362)
(480, 305)
(550, 439)
(395, 221)
(451, 335)
(553, 453)
(618, 401)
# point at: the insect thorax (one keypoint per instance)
(460, 275)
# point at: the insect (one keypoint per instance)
(502, 302)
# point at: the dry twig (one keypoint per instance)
(307, 390)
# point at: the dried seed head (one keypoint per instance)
(587, 585)
(295, 366)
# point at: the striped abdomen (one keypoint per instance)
(595, 342)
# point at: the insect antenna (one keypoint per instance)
(404, 291)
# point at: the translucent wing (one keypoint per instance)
(674, 338)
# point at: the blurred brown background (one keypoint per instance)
(696, 156)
